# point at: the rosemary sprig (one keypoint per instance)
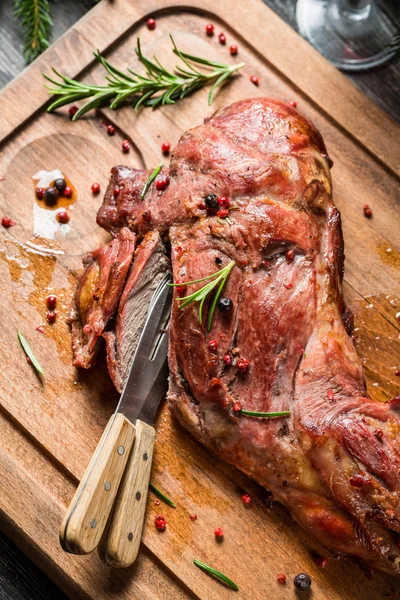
(200, 295)
(150, 180)
(34, 16)
(158, 87)
(216, 574)
(28, 351)
(268, 415)
(162, 496)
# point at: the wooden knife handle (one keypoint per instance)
(126, 526)
(87, 516)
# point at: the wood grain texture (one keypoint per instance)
(87, 516)
(126, 526)
(50, 433)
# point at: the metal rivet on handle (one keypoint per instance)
(145, 456)
(121, 450)
(130, 536)
(107, 486)
(93, 523)
(138, 495)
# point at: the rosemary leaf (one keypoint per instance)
(150, 180)
(157, 87)
(162, 496)
(28, 351)
(200, 295)
(216, 574)
(252, 413)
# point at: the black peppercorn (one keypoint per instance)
(211, 201)
(218, 261)
(302, 581)
(225, 305)
(60, 184)
(51, 196)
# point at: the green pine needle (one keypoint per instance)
(156, 88)
(34, 16)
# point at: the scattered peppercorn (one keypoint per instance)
(62, 217)
(289, 255)
(228, 360)
(233, 49)
(246, 499)
(40, 329)
(193, 517)
(160, 522)
(213, 345)
(225, 305)
(302, 581)
(95, 188)
(281, 578)
(237, 407)
(320, 561)
(222, 38)
(162, 184)
(72, 111)
(219, 534)
(165, 147)
(60, 184)
(7, 222)
(110, 129)
(151, 24)
(223, 202)
(378, 433)
(96, 297)
(51, 196)
(288, 286)
(116, 191)
(293, 103)
(156, 502)
(218, 261)
(397, 372)
(68, 192)
(254, 79)
(125, 145)
(266, 263)
(367, 211)
(40, 193)
(242, 364)
(211, 201)
(209, 29)
(51, 301)
(51, 316)
(222, 213)
(180, 288)
(330, 395)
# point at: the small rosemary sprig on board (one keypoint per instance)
(158, 87)
(161, 495)
(200, 295)
(216, 574)
(29, 353)
(34, 16)
(151, 178)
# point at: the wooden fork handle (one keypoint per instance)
(126, 525)
(87, 516)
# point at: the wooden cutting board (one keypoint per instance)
(49, 428)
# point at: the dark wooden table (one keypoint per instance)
(20, 579)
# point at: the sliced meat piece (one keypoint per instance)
(97, 294)
(149, 267)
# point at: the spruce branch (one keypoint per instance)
(34, 16)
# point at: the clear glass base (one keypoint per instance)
(354, 35)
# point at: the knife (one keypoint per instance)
(126, 526)
(85, 520)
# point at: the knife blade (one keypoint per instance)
(86, 518)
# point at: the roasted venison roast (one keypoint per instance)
(335, 460)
